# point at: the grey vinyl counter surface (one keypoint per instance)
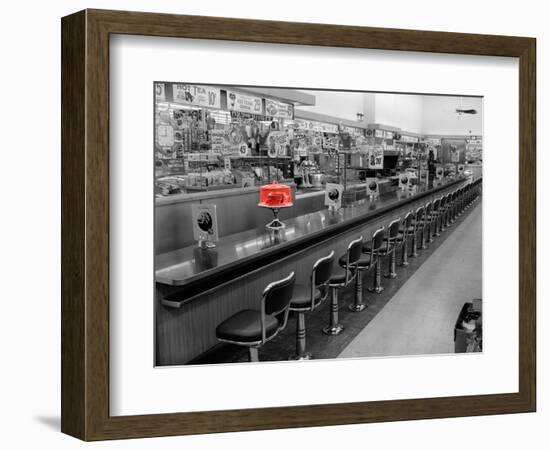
(193, 266)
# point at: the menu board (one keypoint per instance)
(244, 103)
(226, 141)
(205, 222)
(191, 94)
(333, 195)
(276, 108)
(372, 187)
(217, 140)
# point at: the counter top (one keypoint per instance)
(189, 267)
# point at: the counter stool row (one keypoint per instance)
(253, 328)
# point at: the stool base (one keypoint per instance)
(304, 357)
(333, 330)
(376, 290)
(357, 307)
(253, 354)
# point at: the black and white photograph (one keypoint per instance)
(295, 224)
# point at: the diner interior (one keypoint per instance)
(298, 224)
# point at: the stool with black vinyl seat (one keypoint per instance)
(442, 209)
(373, 251)
(418, 224)
(450, 206)
(252, 328)
(432, 231)
(308, 297)
(453, 207)
(427, 225)
(463, 200)
(445, 212)
(460, 199)
(341, 277)
(403, 238)
(391, 245)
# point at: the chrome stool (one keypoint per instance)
(418, 226)
(440, 213)
(253, 328)
(434, 219)
(403, 238)
(341, 278)
(445, 212)
(391, 244)
(427, 225)
(308, 297)
(365, 262)
(373, 250)
(453, 207)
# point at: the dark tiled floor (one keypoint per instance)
(320, 345)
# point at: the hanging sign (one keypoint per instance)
(165, 135)
(276, 108)
(277, 143)
(376, 157)
(333, 195)
(205, 222)
(191, 94)
(160, 92)
(244, 103)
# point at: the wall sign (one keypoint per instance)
(244, 103)
(160, 92)
(191, 94)
(165, 135)
(276, 108)
(277, 143)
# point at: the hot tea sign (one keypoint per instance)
(196, 95)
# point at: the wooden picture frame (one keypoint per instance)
(85, 224)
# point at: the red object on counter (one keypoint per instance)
(275, 195)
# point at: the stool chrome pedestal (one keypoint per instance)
(308, 297)
(373, 250)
